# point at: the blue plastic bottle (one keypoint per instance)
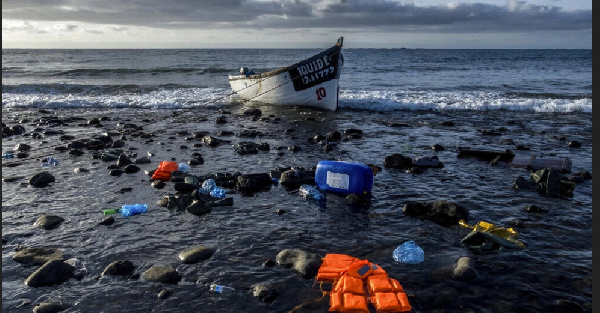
(210, 187)
(184, 168)
(207, 186)
(133, 209)
(217, 192)
(221, 288)
(344, 177)
(310, 192)
(409, 253)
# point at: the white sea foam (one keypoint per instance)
(159, 98)
(373, 100)
(408, 100)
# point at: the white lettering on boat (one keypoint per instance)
(315, 70)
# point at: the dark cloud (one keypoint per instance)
(382, 14)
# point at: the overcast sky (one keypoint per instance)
(296, 24)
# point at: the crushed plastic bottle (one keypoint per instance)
(409, 253)
(184, 168)
(133, 209)
(310, 192)
(220, 288)
(209, 187)
(49, 161)
(8, 155)
(217, 193)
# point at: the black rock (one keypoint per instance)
(51, 273)
(444, 213)
(119, 268)
(41, 179)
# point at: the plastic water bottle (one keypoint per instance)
(409, 253)
(49, 161)
(210, 187)
(133, 209)
(220, 288)
(310, 192)
(184, 168)
(8, 155)
(207, 186)
(217, 192)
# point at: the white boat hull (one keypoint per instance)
(312, 82)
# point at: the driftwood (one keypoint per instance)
(532, 163)
(491, 156)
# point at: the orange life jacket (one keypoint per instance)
(357, 282)
(163, 172)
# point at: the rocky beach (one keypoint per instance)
(60, 252)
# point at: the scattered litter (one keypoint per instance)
(344, 177)
(221, 288)
(409, 253)
(486, 236)
(209, 187)
(8, 155)
(310, 192)
(49, 161)
(133, 209)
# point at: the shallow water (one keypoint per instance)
(557, 263)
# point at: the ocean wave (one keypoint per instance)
(92, 72)
(70, 89)
(478, 101)
(179, 97)
(166, 98)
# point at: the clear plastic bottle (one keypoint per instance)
(210, 187)
(409, 253)
(8, 155)
(310, 192)
(133, 209)
(220, 288)
(217, 192)
(184, 168)
(207, 186)
(49, 161)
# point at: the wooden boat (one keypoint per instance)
(312, 82)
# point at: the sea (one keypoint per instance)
(406, 101)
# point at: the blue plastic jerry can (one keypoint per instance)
(344, 177)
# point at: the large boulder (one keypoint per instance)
(444, 213)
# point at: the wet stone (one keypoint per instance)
(48, 221)
(50, 307)
(37, 256)
(196, 254)
(119, 268)
(162, 274)
(51, 273)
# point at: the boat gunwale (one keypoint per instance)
(280, 70)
